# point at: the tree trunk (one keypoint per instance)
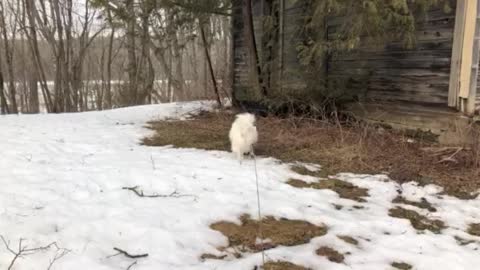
(3, 99)
(33, 101)
(108, 90)
(8, 51)
(252, 45)
(34, 47)
(210, 67)
(131, 56)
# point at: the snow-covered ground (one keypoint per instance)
(61, 181)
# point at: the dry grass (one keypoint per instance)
(401, 266)
(343, 189)
(419, 222)
(279, 265)
(354, 148)
(207, 256)
(423, 203)
(474, 229)
(331, 254)
(282, 232)
(348, 239)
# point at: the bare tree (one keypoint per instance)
(8, 48)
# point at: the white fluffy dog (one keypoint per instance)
(243, 134)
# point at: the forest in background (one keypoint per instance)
(68, 56)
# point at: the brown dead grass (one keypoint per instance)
(401, 266)
(331, 254)
(355, 148)
(474, 229)
(423, 203)
(419, 222)
(348, 239)
(280, 265)
(280, 232)
(344, 189)
(207, 256)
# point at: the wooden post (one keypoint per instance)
(464, 65)
(472, 98)
(456, 54)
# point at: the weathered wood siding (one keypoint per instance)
(293, 19)
(244, 83)
(386, 73)
(393, 73)
(244, 80)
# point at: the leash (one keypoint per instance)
(260, 231)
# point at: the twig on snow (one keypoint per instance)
(60, 254)
(128, 255)
(24, 250)
(140, 193)
(131, 265)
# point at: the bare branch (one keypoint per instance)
(24, 250)
(60, 254)
(131, 265)
(140, 193)
(131, 256)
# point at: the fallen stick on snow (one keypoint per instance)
(24, 251)
(131, 265)
(140, 193)
(128, 255)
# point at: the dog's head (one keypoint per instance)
(247, 118)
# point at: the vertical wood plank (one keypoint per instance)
(472, 97)
(455, 67)
(467, 50)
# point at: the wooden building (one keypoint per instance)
(433, 86)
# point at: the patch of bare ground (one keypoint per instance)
(280, 265)
(474, 229)
(279, 232)
(419, 222)
(353, 147)
(423, 203)
(348, 239)
(401, 266)
(331, 254)
(344, 189)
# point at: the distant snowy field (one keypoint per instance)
(61, 181)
